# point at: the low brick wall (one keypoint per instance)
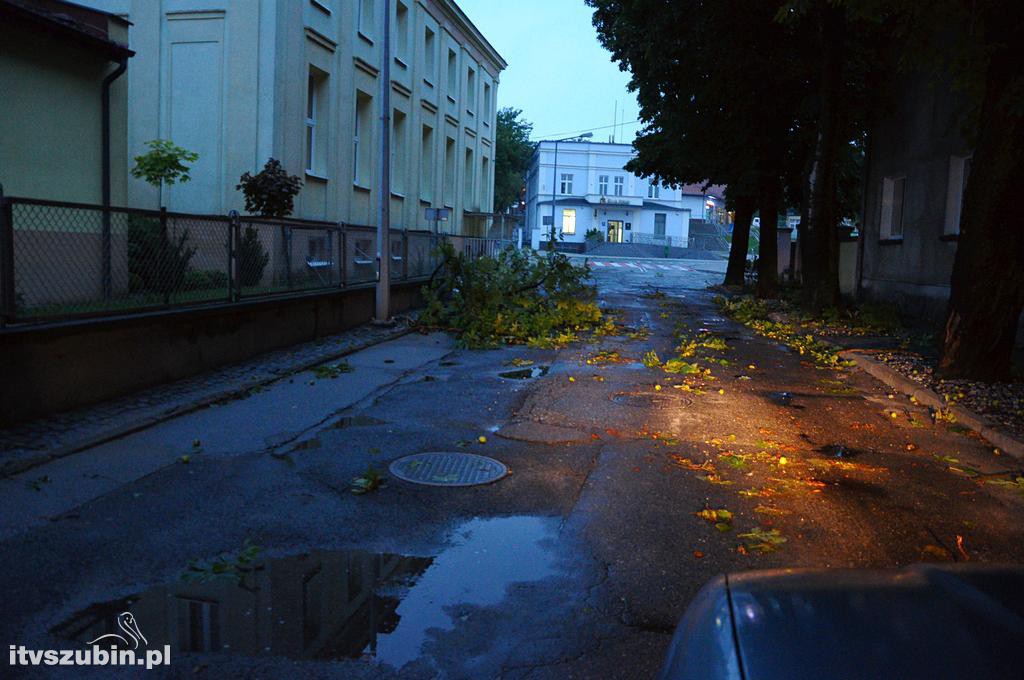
(49, 369)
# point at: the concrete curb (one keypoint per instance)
(18, 466)
(897, 381)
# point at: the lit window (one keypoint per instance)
(565, 187)
(602, 185)
(891, 223)
(620, 184)
(959, 171)
(569, 221)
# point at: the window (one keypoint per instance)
(364, 16)
(487, 103)
(959, 172)
(449, 171)
(467, 180)
(429, 56)
(427, 164)
(569, 221)
(316, 249)
(363, 125)
(602, 185)
(399, 152)
(485, 175)
(659, 224)
(620, 183)
(653, 190)
(198, 625)
(470, 91)
(566, 185)
(452, 86)
(316, 138)
(402, 30)
(891, 223)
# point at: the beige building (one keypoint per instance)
(54, 60)
(240, 81)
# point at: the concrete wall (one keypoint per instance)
(916, 138)
(50, 118)
(229, 79)
(49, 370)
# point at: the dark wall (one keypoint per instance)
(51, 369)
(916, 135)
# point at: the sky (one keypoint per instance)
(558, 73)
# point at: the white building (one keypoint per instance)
(240, 81)
(594, 192)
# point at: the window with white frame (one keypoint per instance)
(569, 221)
(653, 190)
(893, 195)
(659, 224)
(362, 126)
(602, 185)
(316, 119)
(565, 186)
(620, 185)
(959, 172)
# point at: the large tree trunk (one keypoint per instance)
(820, 237)
(769, 198)
(987, 286)
(736, 271)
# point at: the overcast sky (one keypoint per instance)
(558, 73)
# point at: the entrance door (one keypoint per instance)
(614, 231)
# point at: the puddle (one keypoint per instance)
(839, 451)
(448, 363)
(329, 605)
(525, 373)
(785, 399)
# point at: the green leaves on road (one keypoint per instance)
(763, 540)
(371, 480)
(332, 371)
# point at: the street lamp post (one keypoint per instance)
(554, 181)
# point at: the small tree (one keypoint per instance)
(271, 192)
(164, 163)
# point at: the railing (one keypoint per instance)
(650, 239)
(63, 261)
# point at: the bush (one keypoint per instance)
(271, 192)
(205, 279)
(593, 236)
(252, 258)
(518, 297)
(156, 263)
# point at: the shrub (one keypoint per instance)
(156, 263)
(164, 163)
(205, 279)
(271, 192)
(252, 258)
(593, 236)
(518, 297)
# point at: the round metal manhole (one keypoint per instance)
(448, 469)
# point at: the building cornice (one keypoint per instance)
(453, 13)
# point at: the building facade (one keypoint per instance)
(54, 60)
(586, 188)
(917, 168)
(241, 81)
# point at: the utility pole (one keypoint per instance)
(383, 306)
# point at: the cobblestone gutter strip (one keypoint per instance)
(38, 442)
(897, 381)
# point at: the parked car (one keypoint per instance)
(924, 621)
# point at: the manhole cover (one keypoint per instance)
(448, 469)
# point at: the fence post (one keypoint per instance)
(8, 296)
(286, 244)
(341, 255)
(105, 245)
(234, 268)
(405, 254)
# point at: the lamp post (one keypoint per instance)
(554, 181)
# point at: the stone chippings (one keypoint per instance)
(1003, 403)
(80, 425)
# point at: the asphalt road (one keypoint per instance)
(578, 564)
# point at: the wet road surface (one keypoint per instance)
(232, 536)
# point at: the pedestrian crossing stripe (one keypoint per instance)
(642, 266)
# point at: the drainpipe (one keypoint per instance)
(122, 66)
(859, 291)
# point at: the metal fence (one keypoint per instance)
(69, 260)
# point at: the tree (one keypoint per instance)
(271, 192)
(164, 163)
(511, 157)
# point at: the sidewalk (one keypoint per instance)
(30, 444)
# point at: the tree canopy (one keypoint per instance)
(511, 157)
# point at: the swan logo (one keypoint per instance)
(132, 634)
